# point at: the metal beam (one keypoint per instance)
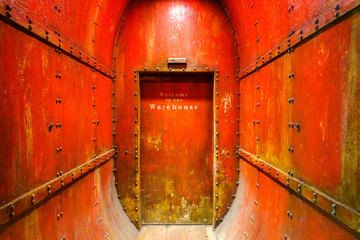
(334, 209)
(15, 16)
(295, 38)
(33, 198)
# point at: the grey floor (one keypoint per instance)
(177, 232)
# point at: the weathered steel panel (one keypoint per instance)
(176, 148)
(89, 25)
(275, 105)
(50, 104)
(89, 209)
(49, 111)
(248, 122)
(263, 209)
(326, 91)
(307, 98)
(325, 87)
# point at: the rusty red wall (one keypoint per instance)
(299, 120)
(297, 62)
(56, 115)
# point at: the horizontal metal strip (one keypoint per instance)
(297, 37)
(335, 209)
(17, 17)
(30, 199)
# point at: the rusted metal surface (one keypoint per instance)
(295, 116)
(176, 148)
(264, 209)
(333, 13)
(150, 33)
(265, 26)
(299, 111)
(56, 114)
(14, 14)
(29, 200)
(328, 205)
(89, 26)
(89, 209)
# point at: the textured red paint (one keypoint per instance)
(176, 161)
(29, 97)
(325, 89)
(260, 200)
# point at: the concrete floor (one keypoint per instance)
(177, 232)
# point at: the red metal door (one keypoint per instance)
(176, 161)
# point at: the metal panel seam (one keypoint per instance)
(333, 208)
(295, 38)
(31, 199)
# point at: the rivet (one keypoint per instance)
(12, 210)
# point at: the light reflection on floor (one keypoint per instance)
(177, 232)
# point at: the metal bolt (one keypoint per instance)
(12, 210)
(32, 198)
